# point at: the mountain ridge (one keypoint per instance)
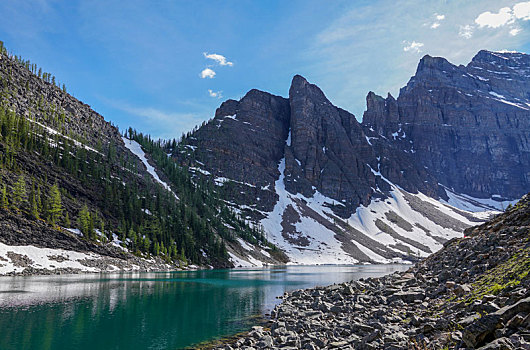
(350, 166)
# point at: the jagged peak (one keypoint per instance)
(298, 83)
(299, 80)
(373, 97)
(300, 86)
(428, 62)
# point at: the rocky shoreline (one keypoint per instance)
(101, 264)
(474, 293)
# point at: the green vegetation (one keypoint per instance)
(505, 275)
(48, 173)
(201, 194)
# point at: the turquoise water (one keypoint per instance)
(151, 310)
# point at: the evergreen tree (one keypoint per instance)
(55, 207)
(4, 203)
(183, 256)
(83, 221)
(33, 204)
(67, 222)
(19, 194)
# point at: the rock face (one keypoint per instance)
(329, 151)
(244, 142)
(467, 125)
(325, 149)
(302, 168)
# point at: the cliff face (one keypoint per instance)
(469, 126)
(324, 187)
(244, 142)
(330, 152)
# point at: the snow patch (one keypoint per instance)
(137, 150)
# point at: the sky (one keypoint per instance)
(163, 66)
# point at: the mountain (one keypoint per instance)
(77, 195)
(467, 125)
(416, 172)
(268, 180)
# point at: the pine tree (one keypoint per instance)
(55, 207)
(33, 204)
(67, 222)
(183, 256)
(4, 203)
(83, 221)
(19, 194)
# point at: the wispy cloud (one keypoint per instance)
(207, 73)
(438, 18)
(412, 46)
(220, 59)
(515, 31)
(217, 94)
(466, 31)
(162, 124)
(387, 41)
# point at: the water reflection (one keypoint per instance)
(150, 310)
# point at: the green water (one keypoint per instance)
(150, 310)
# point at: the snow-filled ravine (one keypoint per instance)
(137, 150)
(386, 231)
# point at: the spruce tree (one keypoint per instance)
(19, 194)
(83, 222)
(33, 204)
(67, 222)
(55, 207)
(4, 202)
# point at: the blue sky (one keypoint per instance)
(142, 63)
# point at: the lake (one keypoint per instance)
(170, 310)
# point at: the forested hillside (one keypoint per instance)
(65, 169)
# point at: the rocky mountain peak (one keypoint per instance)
(466, 124)
(301, 88)
(509, 58)
(428, 64)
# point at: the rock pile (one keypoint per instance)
(474, 293)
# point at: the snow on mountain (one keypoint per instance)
(137, 150)
(389, 230)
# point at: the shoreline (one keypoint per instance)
(474, 293)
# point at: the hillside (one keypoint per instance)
(70, 180)
(474, 293)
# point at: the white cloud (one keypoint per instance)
(466, 31)
(217, 94)
(522, 11)
(161, 123)
(220, 59)
(515, 31)
(437, 23)
(412, 46)
(346, 46)
(495, 20)
(207, 73)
